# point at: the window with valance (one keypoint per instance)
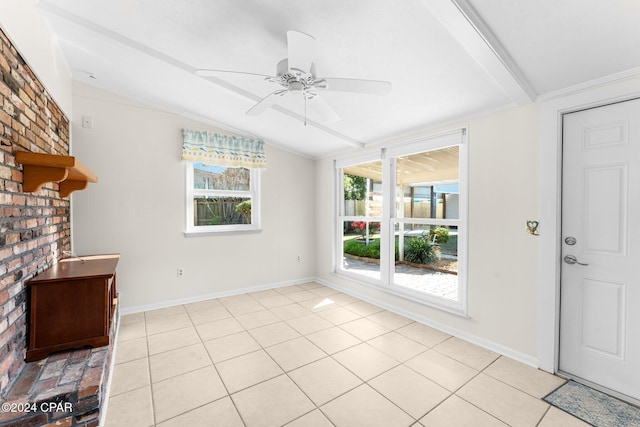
(223, 182)
(230, 151)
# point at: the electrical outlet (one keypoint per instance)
(180, 272)
(299, 258)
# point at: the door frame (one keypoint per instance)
(552, 108)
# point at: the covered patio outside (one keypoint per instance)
(424, 221)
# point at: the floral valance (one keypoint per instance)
(230, 151)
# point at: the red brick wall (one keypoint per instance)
(34, 227)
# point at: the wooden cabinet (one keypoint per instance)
(72, 305)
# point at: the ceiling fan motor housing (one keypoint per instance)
(294, 79)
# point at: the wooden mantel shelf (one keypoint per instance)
(42, 168)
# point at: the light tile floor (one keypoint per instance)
(306, 356)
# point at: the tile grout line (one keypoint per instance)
(417, 420)
(284, 372)
(364, 382)
(153, 402)
(326, 354)
(218, 374)
(166, 379)
(427, 349)
(263, 348)
(516, 388)
(316, 407)
(481, 409)
(544, 415)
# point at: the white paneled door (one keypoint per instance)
(600, 282)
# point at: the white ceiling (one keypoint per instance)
(447, 60)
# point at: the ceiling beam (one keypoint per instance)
(466, 26)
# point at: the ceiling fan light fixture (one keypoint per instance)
(297, 74)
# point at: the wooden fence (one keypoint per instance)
(217, 211)
(420, 210)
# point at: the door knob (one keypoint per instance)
(570, 259)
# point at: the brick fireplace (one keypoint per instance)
(34, 227)
(67, 388)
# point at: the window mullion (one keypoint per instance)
(339, 206)
(255, 197)
(361, 218)
(340, 186)
(189, 199)
(429, 221)
(387, 255)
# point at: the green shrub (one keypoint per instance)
(244, 209)
(372, 250)
(441, 235)
(419, 250)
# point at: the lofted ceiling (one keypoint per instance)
(447, 60)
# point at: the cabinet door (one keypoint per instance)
(65, 312)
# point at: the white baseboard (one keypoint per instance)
(214, 295)
(487, 344)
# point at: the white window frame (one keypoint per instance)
(388, 219)
(254, 193)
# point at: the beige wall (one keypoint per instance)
(138, 209)
(503, 194)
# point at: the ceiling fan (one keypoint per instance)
(297, 75)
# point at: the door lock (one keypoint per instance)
(570, 241)
(570, 259)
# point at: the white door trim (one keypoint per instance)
(550, 204)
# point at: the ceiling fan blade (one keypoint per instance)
(320, 108)
(266, 102)
(222, 73)
(373, 87)
(302, 50)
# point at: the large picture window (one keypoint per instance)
(402, 220)
(221, 198)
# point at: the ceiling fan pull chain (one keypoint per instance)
(305, 109)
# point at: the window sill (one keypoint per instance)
(223, 230)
